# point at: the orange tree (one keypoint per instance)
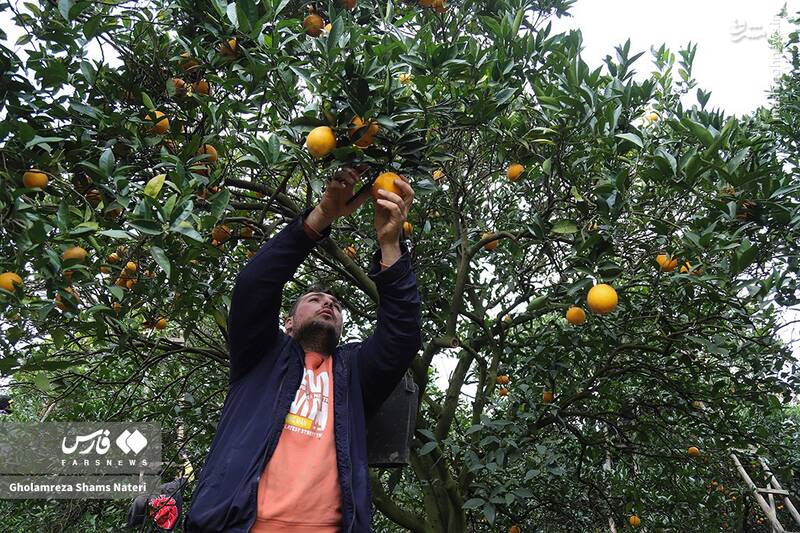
(167, 140)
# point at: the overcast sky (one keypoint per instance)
(733, 61)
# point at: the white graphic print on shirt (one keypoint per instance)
(308, 413)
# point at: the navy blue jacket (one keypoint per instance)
(266, 367)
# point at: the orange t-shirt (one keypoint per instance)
(299, 490)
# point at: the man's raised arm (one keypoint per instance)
(385, 356)
(256, 298)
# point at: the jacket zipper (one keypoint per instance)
(350, 446)
(270, 446)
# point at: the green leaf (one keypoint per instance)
(64, 6)
(153, 186)
(148, 227)
(107, 162)
(161, 258)
(42, 382)
(115, 234)
(699, 131)
(473, 503)
(219, 204)
(148, 103)
(564, 226)
(631, 137)
(427, 448)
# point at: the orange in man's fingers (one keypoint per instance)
(385, 181)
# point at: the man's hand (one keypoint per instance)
(391, 211)
(334, 200)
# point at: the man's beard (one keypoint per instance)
(317, 335)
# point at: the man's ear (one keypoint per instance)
(287, 325)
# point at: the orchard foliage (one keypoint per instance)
(618, 169)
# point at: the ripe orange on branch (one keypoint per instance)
(693, 451)
(221, 233)
(491, 245)
(364, 137)
(667, 263)
(34, 178)
(229, 48)
(161, 122)
(576, 316)
(602, 299)
(634, 521)
(313, 25)
(547, 396)
(74, 252)
(201, 87)
(210, 150)
(8, 280)
(514, 171)
(320, 141)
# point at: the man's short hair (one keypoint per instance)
(312, 288)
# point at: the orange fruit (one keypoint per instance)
(161, 323)
(113, 257)
(64, 304)
(74, 252)
(130, 283)
(547, 396)
(313, 25)
(210, 150)
(94, 197)
(502, 391)
(201, 87)
(697, 404)
(694, 451)
(602, 299)
(438, 174)
(347, 4)
(514, 171)
(426, 3)
(105, 269)
(687, 269)
(188, 63)
(502, 379)
(229, 48)
(34, 178)
(130, 266)
(365, 136)
(667, 263)
(161, 122)
(320, 141)
(385, 181)
(350, 251)
(634, 521)
(576, 316)
(491, 245)
(407, 228)
(439, 7)
(8, 280)
(221, 233)
(179, 84)
(514, 529)
(116, 306)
